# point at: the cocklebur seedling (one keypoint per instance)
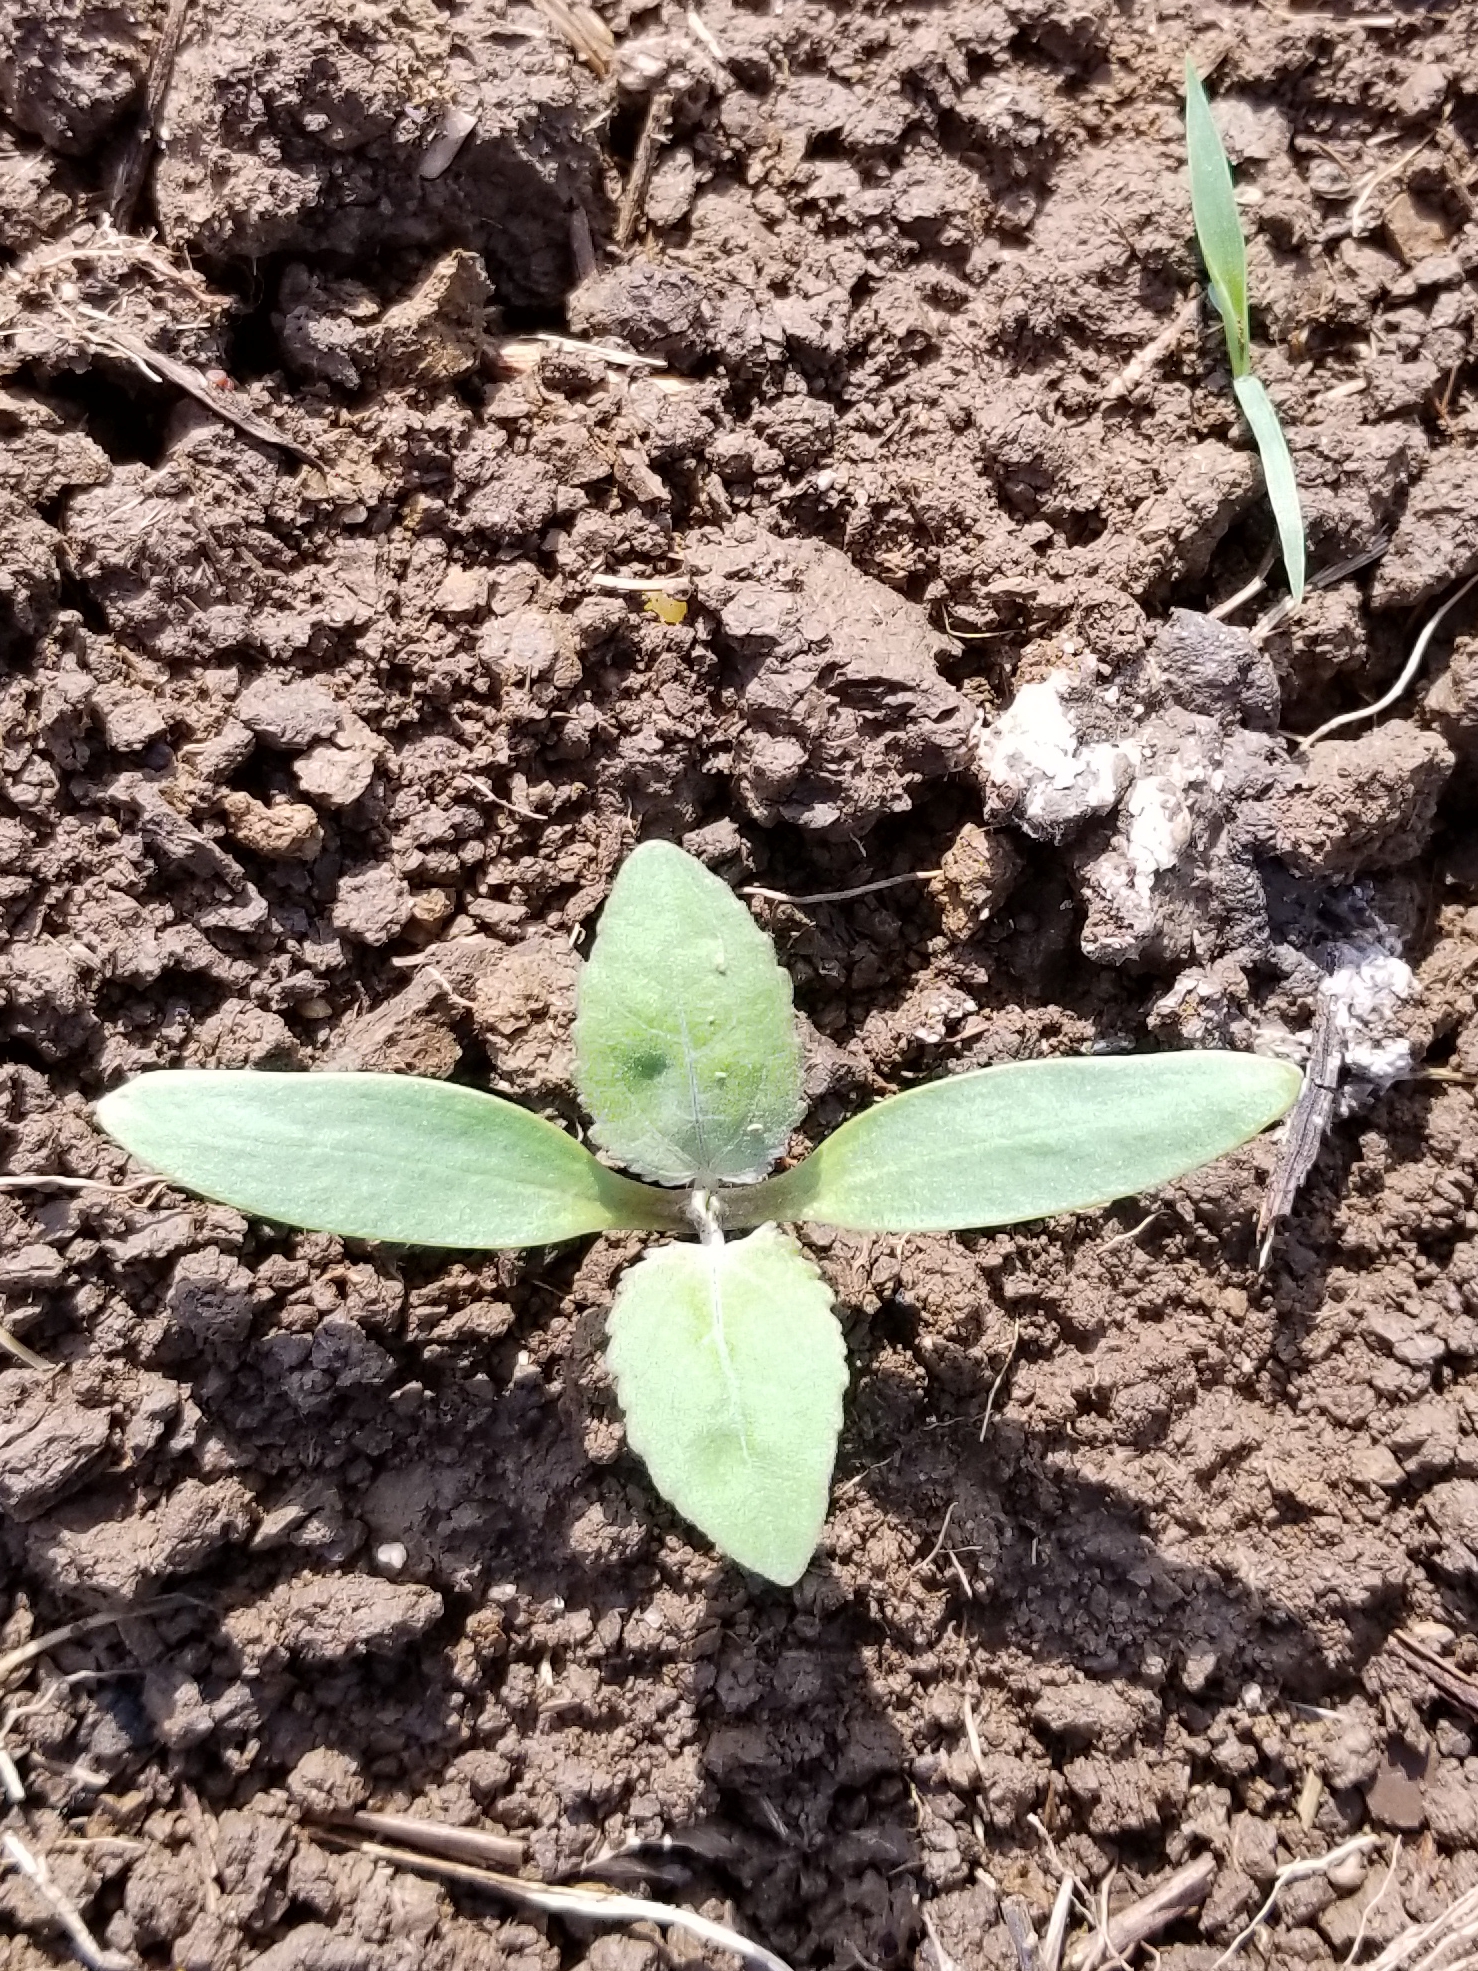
(1224, 250)
(727, 1358)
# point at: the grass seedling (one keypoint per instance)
(1219, 232)
(727, 1358)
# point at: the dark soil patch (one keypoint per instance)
(331, 764)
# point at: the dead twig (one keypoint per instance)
(703, 33)
(587, 1901)
(511, 349)
(1173, 1898)
(204, 1846)
(467, 1844)
(1398, 689)
(1446, 1677)
(634, 198)
(34, 272)
(84, 1944)
(133, 166)
(74, 1770)
(1298, 1871)
(1307, 1126)
(484, 792)
(843, 896)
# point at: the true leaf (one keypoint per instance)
(1218, 223)
(1026, 1140)
(1277, 471)
(375, 1156)
(730, 1368)
(685, 1042)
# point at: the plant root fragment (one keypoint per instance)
(84, 1945)
(1399, 688)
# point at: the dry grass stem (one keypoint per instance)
(581, 1900)
(634, 198)
(1054, 1938)
(1445, 1944)
(1249, 589)
(642, 584)
(1377, 178)
(133, 165)
(1017, 1916)
(41, 1180)
(105, 337)
(1306, 1128)
(26, 1356)
(933, 1554)
(585, 31)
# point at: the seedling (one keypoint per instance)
(727, 1358)
(1219, 231)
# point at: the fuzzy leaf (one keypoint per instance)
(1218, 222)
(730, 1367)
(1277, 471)
(685, 1042)
(1025, 1141)
(375, 1156)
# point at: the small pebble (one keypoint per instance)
(1347, 1875)
(391, 1557)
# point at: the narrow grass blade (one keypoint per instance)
(1218, 222)
(1025, 1141)
(686, 1052)
(1277, 471)
(375, 1156)
(730, 1368)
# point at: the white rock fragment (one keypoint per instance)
(1036, 770)
(456, 126)
(1368, 988)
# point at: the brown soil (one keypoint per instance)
(326, 756)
